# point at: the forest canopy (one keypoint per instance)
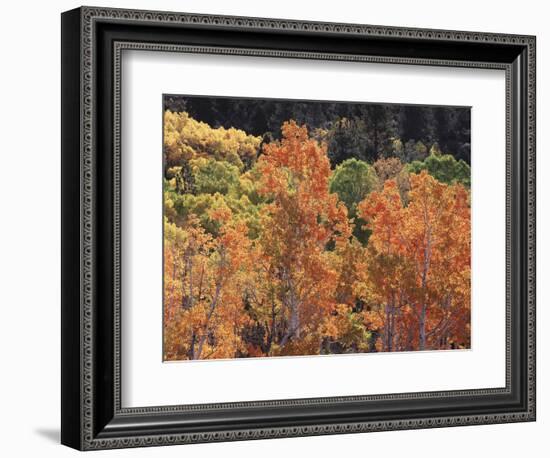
(307, 228)
(361, 130)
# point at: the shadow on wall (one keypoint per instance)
(50, 434)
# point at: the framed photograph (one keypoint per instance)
(276, 228)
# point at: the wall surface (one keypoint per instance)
(30, 240)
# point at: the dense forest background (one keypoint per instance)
(372, 130)
(307, 228)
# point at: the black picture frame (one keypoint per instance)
(92, 42)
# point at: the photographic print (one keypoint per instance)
(297, 227)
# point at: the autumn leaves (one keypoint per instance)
(273, 265)
(417, 265)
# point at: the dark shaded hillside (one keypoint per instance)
(367, 131)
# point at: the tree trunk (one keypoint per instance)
(426, 268)
(422, 326)
(172, 289)
(203, 337)
(293, 304)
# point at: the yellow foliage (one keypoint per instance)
(186, 138)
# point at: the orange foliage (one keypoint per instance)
(417, 269)
(303, 284)
(203, 281)
(300, 220)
